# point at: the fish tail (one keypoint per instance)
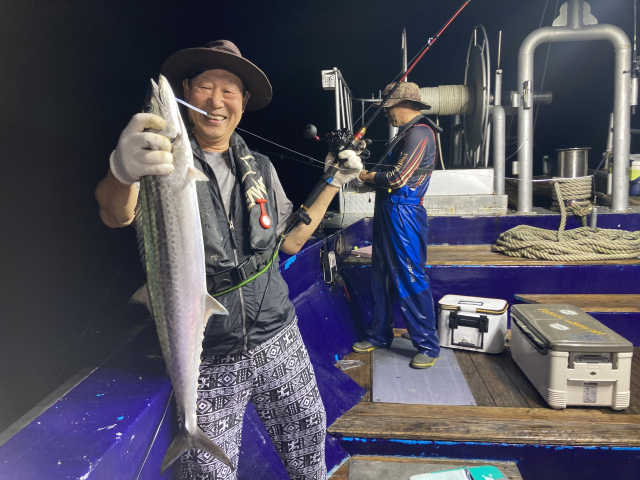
(184, 441)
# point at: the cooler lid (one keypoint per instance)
(473, 304)
(566, 328)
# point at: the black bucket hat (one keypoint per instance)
(221, 54)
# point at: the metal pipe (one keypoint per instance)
(621, 140)
(337, 90)
(350, 113)
(404, 52)
(499, 50)
(455, 156)
(607, 155)
(345, 109)
(497, 94)
(574, 13)
(485, 162)
(342, 106)
(498, 149)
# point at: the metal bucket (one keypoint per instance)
(572, 162)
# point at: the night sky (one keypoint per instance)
(73, 74)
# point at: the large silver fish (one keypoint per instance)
(170, 237)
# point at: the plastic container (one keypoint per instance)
(570, 357)
(472, 323)
(634, 177)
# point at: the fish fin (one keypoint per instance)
(213, 307)
(141, 297)
(200, 441)
(204, 443)
(196, 175)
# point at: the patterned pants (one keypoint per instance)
(278, 379)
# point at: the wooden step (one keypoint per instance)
(538, 426)
(589, 302)
(477, 255)
(482, 255)
(509, 469)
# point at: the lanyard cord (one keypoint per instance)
(257, 274)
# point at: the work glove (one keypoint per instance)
(349, 168)
(141, 153)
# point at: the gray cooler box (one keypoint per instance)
(570, 357)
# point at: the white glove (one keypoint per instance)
(141, 153)
(348, 170)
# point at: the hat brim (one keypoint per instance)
(180, 64)
(392, 102)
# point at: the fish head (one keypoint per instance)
(161, 101)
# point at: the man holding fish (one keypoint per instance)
(255, 353)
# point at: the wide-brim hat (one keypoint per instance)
(221, 54)
(406, 91)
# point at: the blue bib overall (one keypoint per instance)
(400, 232)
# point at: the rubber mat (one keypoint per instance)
(395, 382)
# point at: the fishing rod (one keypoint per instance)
(343, 139)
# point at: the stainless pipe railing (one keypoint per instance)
(498, 149)
(575, 31)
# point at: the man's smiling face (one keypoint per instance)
(220, 94)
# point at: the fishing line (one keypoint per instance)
(155, 435)
(544, 73)
(543, 12)
(277, 145)
(364, 113)
(282, 157)
(94, 317)
(514, 152)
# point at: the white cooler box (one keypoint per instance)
(570, 357)
(472, 323)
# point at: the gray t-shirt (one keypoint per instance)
(220, 163)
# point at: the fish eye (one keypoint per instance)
(148, 108)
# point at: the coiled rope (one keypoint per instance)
(448, 100)
(580, 244)
(572, 194)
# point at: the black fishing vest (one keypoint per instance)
(227, 243)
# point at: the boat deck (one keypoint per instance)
(509, 410)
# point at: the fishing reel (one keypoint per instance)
(341, 139)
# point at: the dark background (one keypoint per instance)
(73, 73)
